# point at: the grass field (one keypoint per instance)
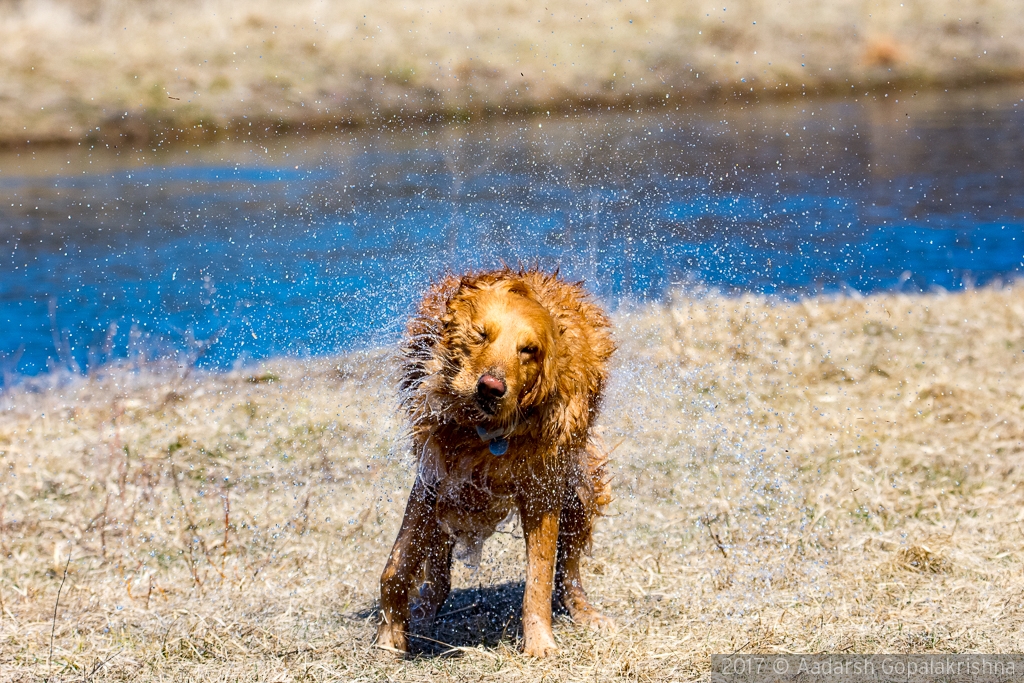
(831, 474)
(163, 70)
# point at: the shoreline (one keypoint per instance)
(139, 130)
(265, 369)
(105, 72)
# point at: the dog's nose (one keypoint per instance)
(490, 386)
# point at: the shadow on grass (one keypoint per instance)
(470, 617)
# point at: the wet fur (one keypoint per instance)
(550, 344)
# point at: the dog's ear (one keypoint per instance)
(544, 384)
(459, 303)
(520, 288)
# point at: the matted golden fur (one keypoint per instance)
(502, 378)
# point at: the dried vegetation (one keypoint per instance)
(105, 70)
(812, 476)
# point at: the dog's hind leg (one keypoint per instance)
(574, 531)
(438, 575)
(419, 528)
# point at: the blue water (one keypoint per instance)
(316, 245)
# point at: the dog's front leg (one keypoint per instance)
(540, 524)
(403, 567)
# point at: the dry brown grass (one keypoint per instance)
(817, 476)
(83, 69)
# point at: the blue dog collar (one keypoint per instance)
(496, 442)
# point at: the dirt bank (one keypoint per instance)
(115, 70)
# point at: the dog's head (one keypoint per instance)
(500, 344)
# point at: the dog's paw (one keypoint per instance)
(540, 645)
(392, 637)
(593, 619)
(583, 612)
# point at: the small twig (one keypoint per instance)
(357, 527)
(128, 582)
(454, 648)
(193, 529)
(740, 647)
(99, 665)
(474, 650)
(389, 649)
(192, 566)
(103, 526)
(56, 603)
(504, 629)
(227, 518)
(3, 525)
(304, 650)
(456, 611)
(163, 645)
(714, 537)
(192, 526)
(302, 515)
(718, 542)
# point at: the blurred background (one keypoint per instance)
(222, 181)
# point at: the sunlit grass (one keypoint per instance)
(819, 475)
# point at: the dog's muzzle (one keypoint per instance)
(489, 390)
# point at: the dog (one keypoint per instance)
(501, 376)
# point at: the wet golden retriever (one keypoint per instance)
(502, 375)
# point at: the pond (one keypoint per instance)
(318, 244)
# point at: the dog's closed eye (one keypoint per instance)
(528, 353)
(481, 333)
